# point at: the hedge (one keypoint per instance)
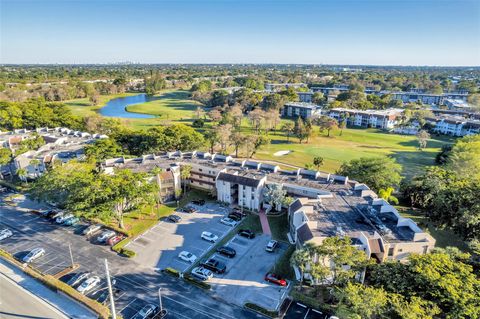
(309, 301)
(196, 282)
(261, 310)
(127, 252)
(57, 285)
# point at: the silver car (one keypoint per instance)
(5, 233)
(34, 254)
(105, 236)
(92, 229)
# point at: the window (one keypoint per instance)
(390, 251)
(200, 170)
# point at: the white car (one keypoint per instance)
(105, 236)
(202, 273)
(88, 284)
(34, 254)
(228, 221)
(187, 256)
(5, 233)
(208, 236)
(62, 218)
(272, 244)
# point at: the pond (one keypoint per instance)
(117, 107)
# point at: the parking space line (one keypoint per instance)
(44, 263)
(58, 265)
(133, 300)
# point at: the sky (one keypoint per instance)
(366, 32)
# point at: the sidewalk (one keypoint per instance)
(264, 222)
(58, 302)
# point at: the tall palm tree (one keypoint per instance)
(185, 172)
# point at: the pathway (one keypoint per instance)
(264, 222)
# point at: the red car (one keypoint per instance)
(115, 239)
(275, 279)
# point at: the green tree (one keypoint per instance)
(5, 156)
(288, 128)
(102, 149)
(358, 301)
(274, 195)
(255, 142)
(300, 131)
(377, 172)
(22, 174)
(326, 123)
(185, 173)
(318, 161)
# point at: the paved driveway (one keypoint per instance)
(139, 284)
(159, 247)
(244, 279)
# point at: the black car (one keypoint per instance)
(227, 251)
(50, 214)
(174, 218)
(189, 210)
(246, 233)
(215, 266)
(102, 296)
(235, 217)
(199, 202)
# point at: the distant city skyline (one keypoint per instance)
(370, 32)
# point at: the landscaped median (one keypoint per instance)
(58, 286)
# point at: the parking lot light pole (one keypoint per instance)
(110, 293)
(160, 299)
(71, 255)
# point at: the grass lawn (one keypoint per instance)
(353, 144)
(443, 237)
(83, 107)
(140, 220)
(174, 106)
(171, 105)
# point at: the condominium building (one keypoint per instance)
(324, 204)
(382, 119)
(456, 126)
(301, 109)
(275, 87)
(425, 98)
(61, 145)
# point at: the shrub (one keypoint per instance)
(171, 271)
(127, 252)
(198, 283)
(263, 311)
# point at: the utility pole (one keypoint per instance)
(71, 255)
(160, 299)
(112, 304)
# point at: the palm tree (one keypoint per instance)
(300, 259)
(22, 174)
(185, 172)
(158, 197)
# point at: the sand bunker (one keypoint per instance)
(281, 153)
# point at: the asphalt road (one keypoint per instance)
(139, 284)
(16, 303)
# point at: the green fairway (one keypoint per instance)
(352, 144)
(83, 107)
(174, 106)
(170, 106)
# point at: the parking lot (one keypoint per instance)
(159, 247)
(243, 281)
(136, 284)
(298, 310)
